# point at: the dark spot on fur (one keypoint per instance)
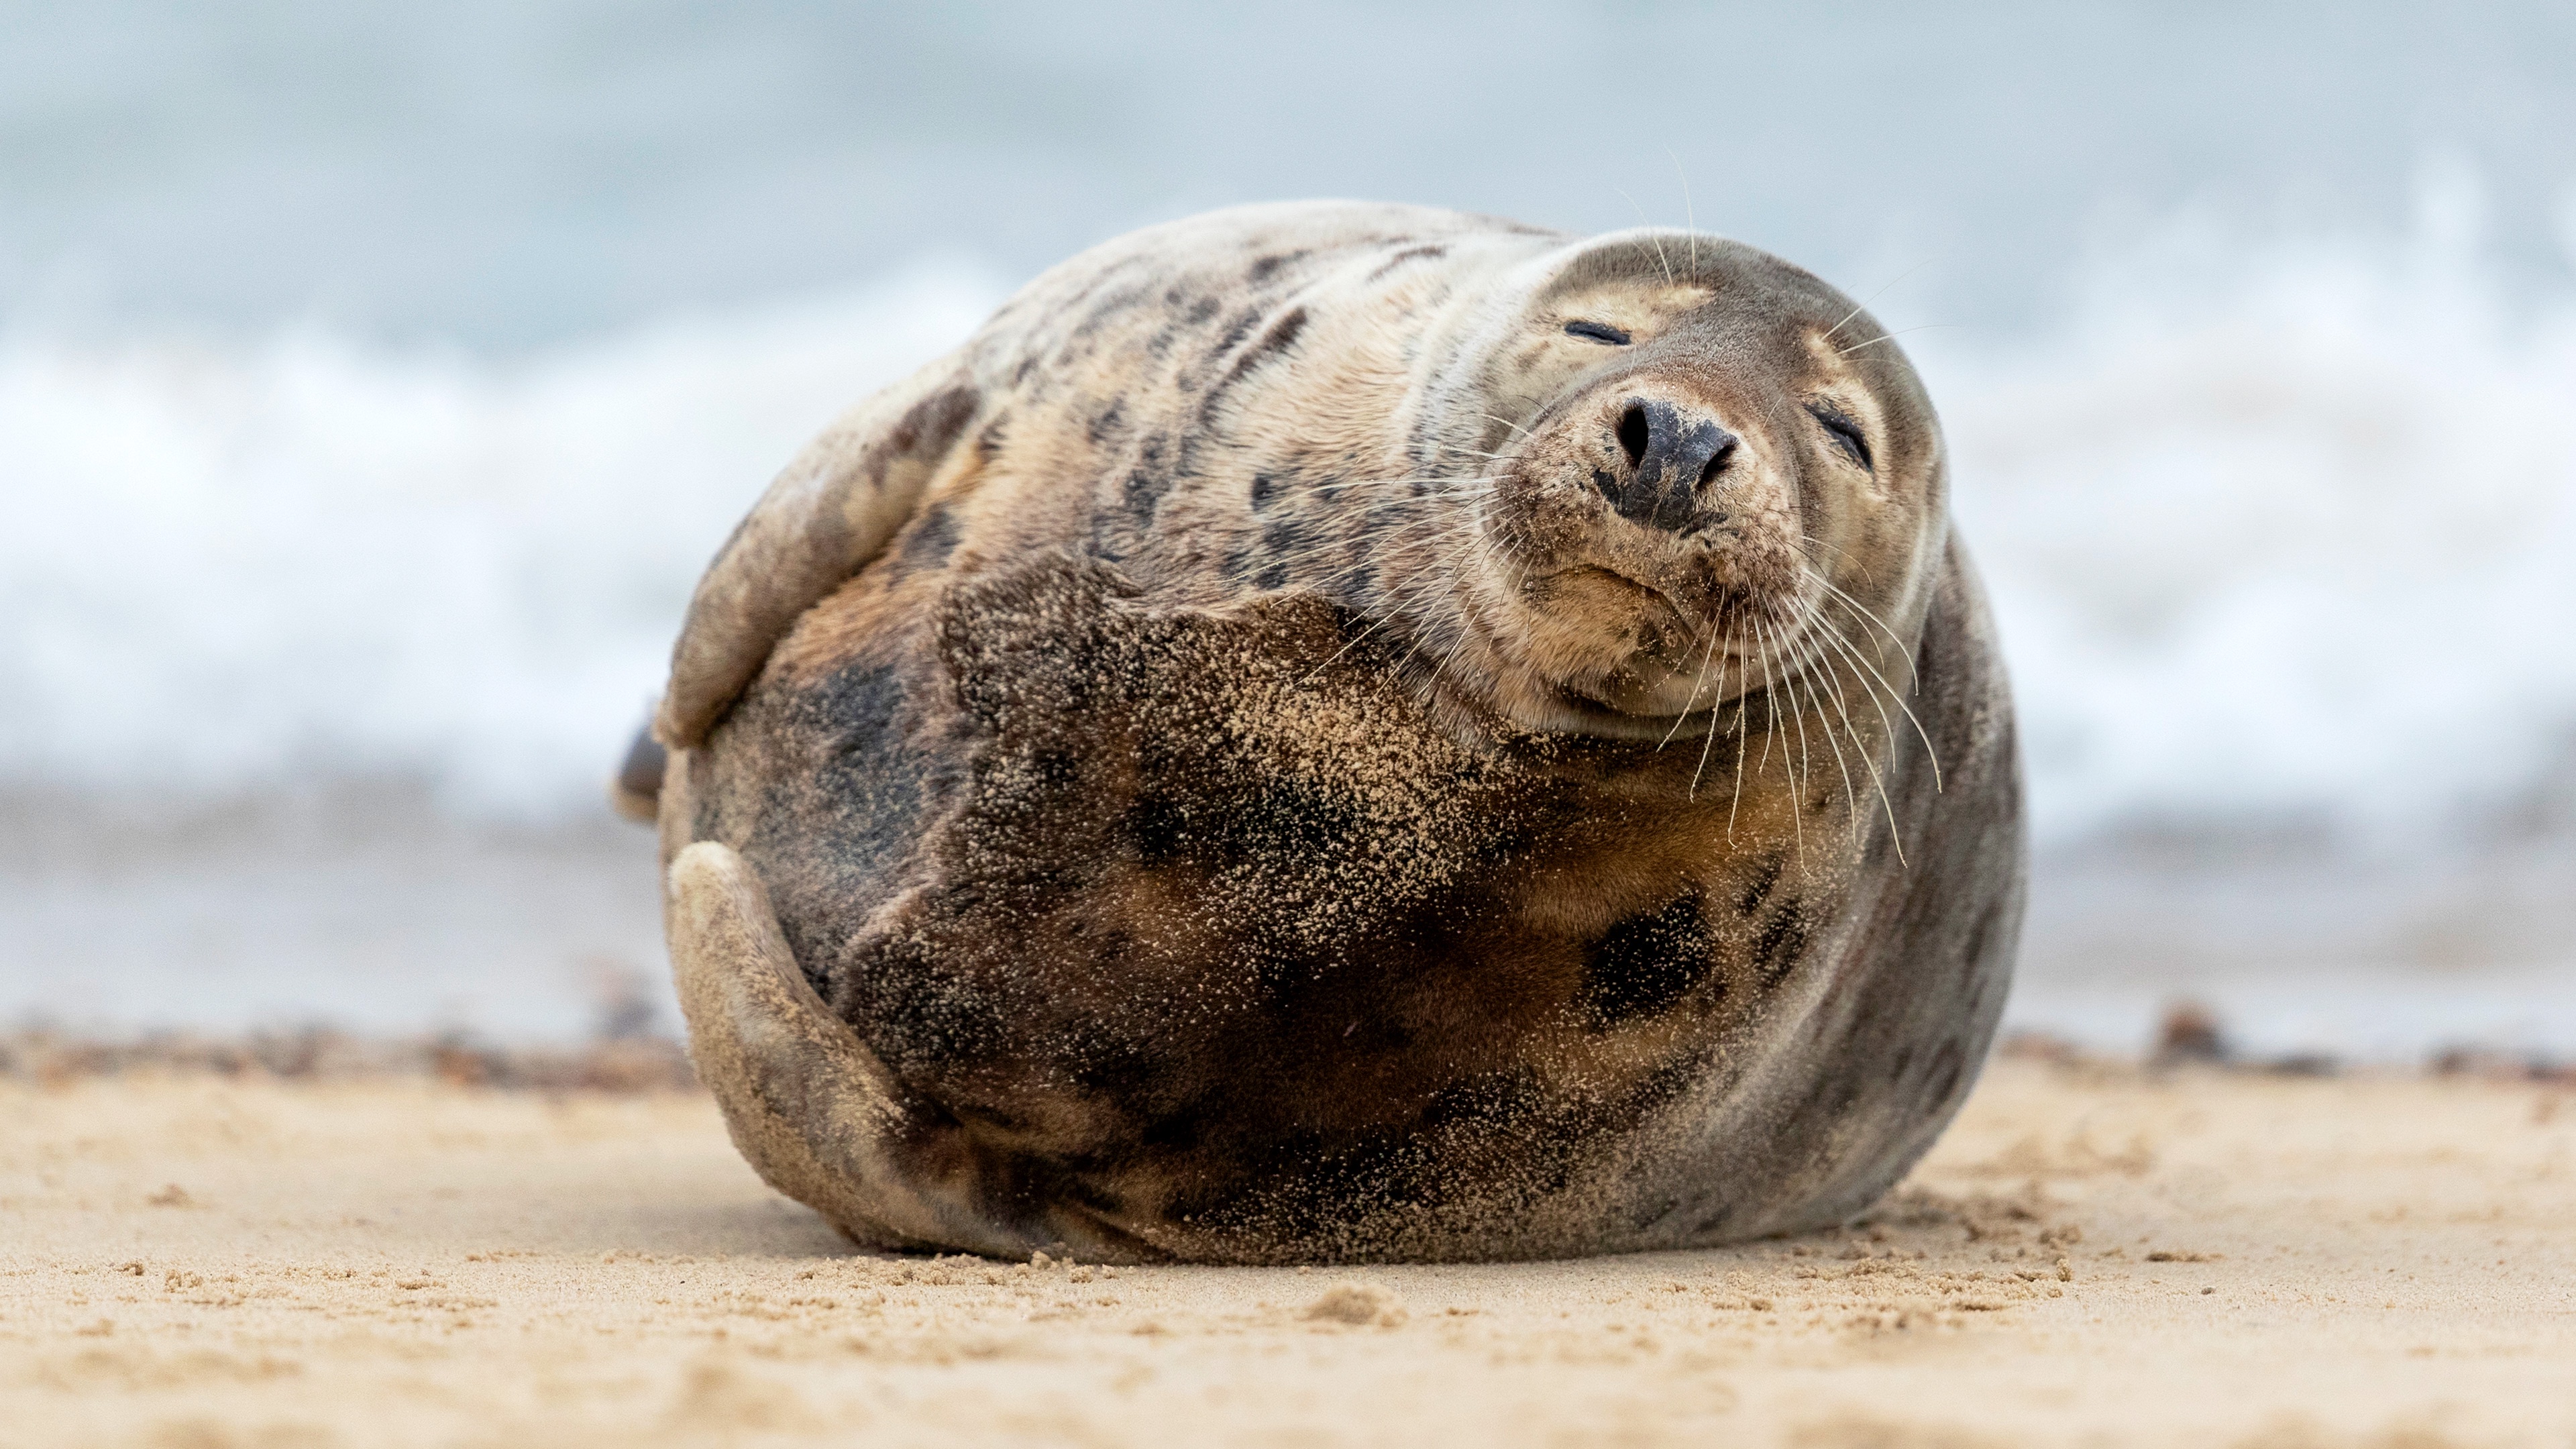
(1199, 370)
(924, 1015)
(934, 422)
(1177, 1132)
(1763, 880)
(1124, 299)
(1111, 421)
(1235, 331)
(1645, 964)
(1285, 536)
(931, 539)
(1202, 311)
(1058, 770)
(1285, 541)
(1288, 822)
(859, 802)
(1264, 488)
(1782, 942)
(1142, 493)
(1265, 267)
(1158, 827)
(1409, 254)
(857, 705)
(1146, 486)
(1281, 336)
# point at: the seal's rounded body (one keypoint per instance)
(1337, 731)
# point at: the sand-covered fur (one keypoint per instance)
(1356, 732)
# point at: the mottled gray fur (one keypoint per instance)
(1337, 731)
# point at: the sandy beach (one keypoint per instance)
(2093, 1255)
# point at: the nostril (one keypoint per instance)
(1632, 433)
(1717, 462)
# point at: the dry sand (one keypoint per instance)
(2091, 1256)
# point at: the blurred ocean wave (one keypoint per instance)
(233, 569)
(2284, 537)
(2279, 537)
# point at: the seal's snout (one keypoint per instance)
(1673, 456)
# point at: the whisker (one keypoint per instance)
(1789, 670)
(1688, 218)
(1851, 797)
(1892, 336)
(1841, 553)
(1898, 699)
(1895, 832)
(1377, 547)
(1874, 296)
(1693, 702)
(1710, 742)
(1743, 713)
(1421, 575)
(1865, 612)
(1399, 482)
(1771, 709)
(1651, 239)
(1870, 681)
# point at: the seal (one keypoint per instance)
(1340, 731)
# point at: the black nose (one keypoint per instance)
(1671, 456)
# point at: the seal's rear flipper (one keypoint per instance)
(636, 792)
(811, 1107)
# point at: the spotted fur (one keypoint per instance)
(1263, 754)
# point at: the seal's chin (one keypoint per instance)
(1604, 654)
(1658, 691)
(1595, 579)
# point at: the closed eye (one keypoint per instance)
(1845, 433)
(1597, 332)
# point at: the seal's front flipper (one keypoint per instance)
(815, 1112)
(832, 509)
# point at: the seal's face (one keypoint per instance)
(1713, 473)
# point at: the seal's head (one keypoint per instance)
(1708, 458)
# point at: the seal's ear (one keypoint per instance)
(814, 1111)
(827, 513)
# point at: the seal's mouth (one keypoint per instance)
(1638, 718)
(1642, 593)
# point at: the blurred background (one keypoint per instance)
(374, 382)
